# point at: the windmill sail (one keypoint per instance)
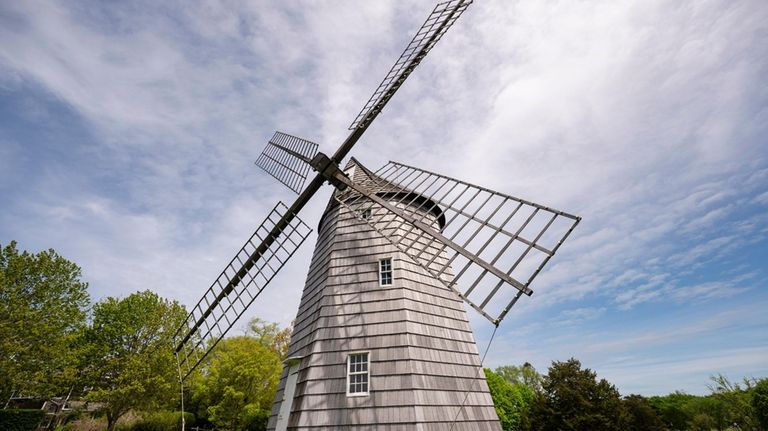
(495, 244)
(285, 159)
(249, 272)
(438, 22)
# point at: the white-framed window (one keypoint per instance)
(358, 373)
(385, 271)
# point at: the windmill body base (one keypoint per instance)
(424, 368)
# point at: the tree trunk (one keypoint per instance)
(112, 418)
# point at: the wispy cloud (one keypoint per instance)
(579, 315)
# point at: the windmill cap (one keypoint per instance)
(386, 189)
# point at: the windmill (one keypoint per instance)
(381, 338)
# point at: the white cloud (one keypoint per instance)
(579, 315)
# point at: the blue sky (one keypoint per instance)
(128, 134)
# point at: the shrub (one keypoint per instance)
(161, 421)
(85, 423)
(20, 419)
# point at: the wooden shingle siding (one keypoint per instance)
(395, 367)
(395, 353)
(392, 340)
(384, 398)
(423, 359)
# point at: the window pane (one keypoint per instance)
(385, 272)
(357, 373)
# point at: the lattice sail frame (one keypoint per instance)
(513, 235)
(437, 23)
(289, 169)
(238, 286)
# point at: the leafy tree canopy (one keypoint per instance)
(641, 416)
(730, 403)
(673, 409)
(760, 403)
(270, 335)
(511, 400)
(43, 306)
(573, 399)
(130, 353)
(521, 375)
(237, 385)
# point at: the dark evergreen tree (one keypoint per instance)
(573, 399)
(641, 416)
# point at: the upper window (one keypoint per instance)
(357, 374)
(385, 272)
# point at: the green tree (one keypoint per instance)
(673, 409)
(270, 335)
(702, 422)
(759, 403)
(131, 362)
(43, 306)
(708, 410)
(521, 375)
(510, 400)
(732, 402)
(641, 416)
(573, 399)
(236, 388)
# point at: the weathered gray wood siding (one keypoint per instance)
(424, 360)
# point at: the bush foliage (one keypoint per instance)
(20, 419)
(161, 421)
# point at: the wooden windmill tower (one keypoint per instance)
(381, 339)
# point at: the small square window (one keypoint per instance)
(385, 272)
(357, 374)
